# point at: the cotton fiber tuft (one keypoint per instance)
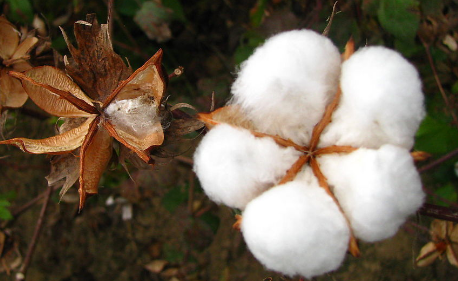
(377, 189)
(286, 84)
(136, 116)
(233, 166)
(297, 229)
(381, 102)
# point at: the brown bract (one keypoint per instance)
(444, 236)
(14, 53)
(99, 92)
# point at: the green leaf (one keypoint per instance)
(448, 192)
(455, 88)
(400, 18)
(9, 195)
(436, 137)
(408, 49)
(20, 11)
(176, 7)
(431, 7)
(211, 220)
(172, 254)
(250, 41)
(5, 214)
(370, 7)
(174, 198)
(128, 8)
(257, 14)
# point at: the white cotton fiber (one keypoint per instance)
(377, 189)
(296, 229)
(233, 166)
(287, 82)
(136, 116)
(382, 101)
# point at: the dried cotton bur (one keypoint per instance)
(444, 236)
(14, 55)
(314, 149)
(100, 99)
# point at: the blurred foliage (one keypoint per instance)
(5, 199)
(211, 39)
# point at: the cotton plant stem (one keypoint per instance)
(445, 200)
(439, 84)
(439, 161)
(20, 276)
(439, 212)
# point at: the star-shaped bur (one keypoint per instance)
(103, 97)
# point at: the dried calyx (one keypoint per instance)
(105, 100)
(14, 55)
(315, 151)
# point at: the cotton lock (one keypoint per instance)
(308, 192)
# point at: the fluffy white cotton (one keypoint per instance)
(296, 229)
(136, 116)
(382, 101)
(377, 189)
(285, 85)
(233, 166)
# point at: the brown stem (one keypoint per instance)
(36, 235)
(439, 212)
(21, 209)
(177, 72)
(328, 26)
(126, 31)
(438, 83)
(438, 161)
(445, 200)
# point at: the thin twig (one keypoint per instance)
(439, 212)
(438, 82)
(20, 276)
(328, 26)
(433, 194)
(21, 209)
(110, 18)
(438, 161)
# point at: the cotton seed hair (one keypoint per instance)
(297, 228)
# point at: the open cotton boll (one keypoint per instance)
(234, 166)
(287, 82)
(377, 189)
(136, 116)
(382, 101)
(296, 229)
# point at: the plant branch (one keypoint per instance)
(439, 84)
(439, 212)
(438, 161)
(20, 276)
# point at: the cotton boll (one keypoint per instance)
(233, 166)
(285, 85)
(382, 101)
(377, 189)
(296, 229)
(137, 116)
